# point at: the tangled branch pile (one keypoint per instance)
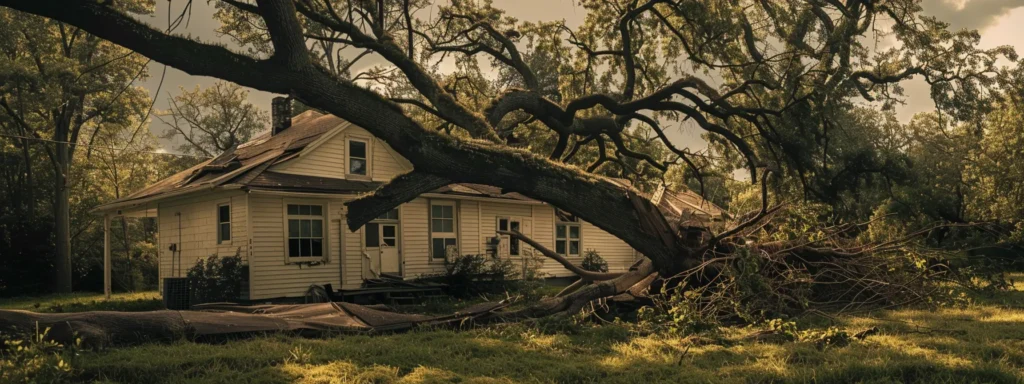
(772, 271)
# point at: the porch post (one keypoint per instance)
(106, 255)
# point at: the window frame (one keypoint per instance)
(219, 223)
(367, 160)
(324, 235)
(379, 221)
(454, 234)
(511, 240)
(574, 222)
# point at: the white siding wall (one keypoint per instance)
(261, 217)
(271, 274)
(616, 252)
(470, 242)
(198, 231)
(415, 241)
(328, 159)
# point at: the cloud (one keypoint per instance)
(969, 14)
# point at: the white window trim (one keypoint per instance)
(369, 157)
(454, 234)
(497, 227)
(217, 222)
(326, 213)
(380, 233)
(568, 239)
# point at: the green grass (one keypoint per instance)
(86, 301)
(983, 342)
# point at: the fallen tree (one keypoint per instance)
(789, 71)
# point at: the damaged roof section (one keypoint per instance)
(248, 167)
(687, 209)
(238, 166)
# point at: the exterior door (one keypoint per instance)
(389, 253)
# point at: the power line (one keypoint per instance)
(40, 139)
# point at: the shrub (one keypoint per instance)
(469, 274)
(218, 279)
(592, 261)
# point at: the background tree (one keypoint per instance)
(212, 120)
(60, 86)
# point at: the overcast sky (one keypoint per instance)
(1001, 22)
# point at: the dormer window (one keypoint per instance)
(357, 157)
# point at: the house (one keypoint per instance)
(278, 201)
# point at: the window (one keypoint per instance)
(567, 234)
(513, 245)
(389, 235)
(442, 230)
(506, 224)
(372, 235)
(305, 231)
(223, 223)
(357, 163)
(374, 228)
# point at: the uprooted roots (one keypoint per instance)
(743, 281)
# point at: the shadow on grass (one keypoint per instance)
(980, 343)
(516, 354)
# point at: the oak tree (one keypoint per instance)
(768, 83)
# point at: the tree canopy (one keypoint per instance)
(787, 73)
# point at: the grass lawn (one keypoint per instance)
(983, 342)
(86, 301)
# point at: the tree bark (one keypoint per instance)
(62, 220)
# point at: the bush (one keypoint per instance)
(470, 274)
(593, 262)
(218, 279)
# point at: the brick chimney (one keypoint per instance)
(281, 114)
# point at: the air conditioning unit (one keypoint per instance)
(176, 293)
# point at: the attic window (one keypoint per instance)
(357, 163)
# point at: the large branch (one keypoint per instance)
(285, 32)
(572, 303)
(399, 190)
(418, 77)
(582, 273)
(607, 205)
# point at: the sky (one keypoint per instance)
(1000, 22)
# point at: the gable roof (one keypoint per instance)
(246, 167)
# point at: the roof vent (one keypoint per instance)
(281, 113)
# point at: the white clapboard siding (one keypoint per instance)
(352, 269)
(415, 243)
(469, 228)
(258, 227)
(271, 275)
(613, 250)
(198, 234)
(328, 158)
